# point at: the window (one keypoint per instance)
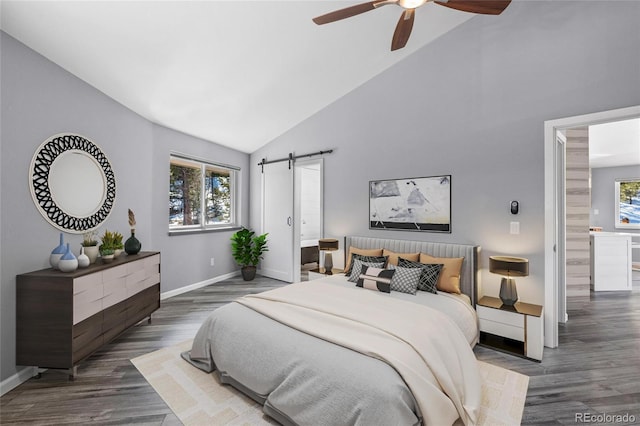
(627, 203)
(201, 195)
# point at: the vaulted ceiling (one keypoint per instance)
(238, 73)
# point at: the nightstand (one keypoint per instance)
(318, 273)
(517, 329)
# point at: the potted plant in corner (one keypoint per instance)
(247, 249)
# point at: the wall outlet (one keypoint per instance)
(213, 262)
(515, 228)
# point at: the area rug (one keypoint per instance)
(198, 398)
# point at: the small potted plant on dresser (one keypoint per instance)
(90, 244)
(107, 248)
(118, 245)
(247, 249)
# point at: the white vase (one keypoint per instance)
(83, 259)
(92, 253)
(57, 253)
(117, 252)
(68, 262)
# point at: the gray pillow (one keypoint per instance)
(428, 277)
(355, 256)
(405, 280)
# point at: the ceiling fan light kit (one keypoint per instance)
(405, 24)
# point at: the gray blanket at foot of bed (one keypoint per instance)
(300, 379)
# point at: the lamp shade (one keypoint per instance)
(509, 266)
(328, 244)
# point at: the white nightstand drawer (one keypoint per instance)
(503, 330)
(513, 319)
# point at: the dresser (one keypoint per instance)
(62, 318)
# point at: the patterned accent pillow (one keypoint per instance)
(375, 279)
(428, 278)
(365, 258)
(405, 280)
(449, 279)
(357, 265)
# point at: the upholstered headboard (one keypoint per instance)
(469, 276)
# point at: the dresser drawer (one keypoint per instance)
(501, 329)
(513, 319)
(114, 273)
(87, 297)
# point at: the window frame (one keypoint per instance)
(203, 165)
(618, 216)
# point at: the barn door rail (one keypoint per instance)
(291, 158)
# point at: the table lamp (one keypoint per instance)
(509, 267)
(328, 245)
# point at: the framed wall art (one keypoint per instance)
(413, 204)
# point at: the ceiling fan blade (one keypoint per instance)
(348, 12)
(485, 7)
(403, 29)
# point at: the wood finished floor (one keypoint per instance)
(596, 368)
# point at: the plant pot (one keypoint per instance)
(107, 258)
(92, 253)
(248, 272)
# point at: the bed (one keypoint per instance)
(328, 352)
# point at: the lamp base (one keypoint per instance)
(508, 292)
(328, 263)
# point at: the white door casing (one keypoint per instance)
(552, 222)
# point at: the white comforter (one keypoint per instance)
(456, 306)
(423, 345)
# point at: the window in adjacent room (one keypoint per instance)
(202, 195)
(627, 203)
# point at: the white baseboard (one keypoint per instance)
(181, 290)
(28, 372)
(17, 379)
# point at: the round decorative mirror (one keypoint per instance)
(72, 183)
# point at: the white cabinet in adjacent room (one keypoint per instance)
(610, 261)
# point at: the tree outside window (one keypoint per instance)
(200, 195)
(627, 203)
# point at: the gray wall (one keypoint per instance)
(603, 196)
(473, 105)
(39, 99)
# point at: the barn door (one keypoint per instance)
(278, 221)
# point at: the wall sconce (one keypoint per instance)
(509, 267)
(328, 245)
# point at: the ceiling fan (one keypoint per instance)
(405, 24)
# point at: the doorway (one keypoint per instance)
(555, 202)
(309, 214)
(292, 214)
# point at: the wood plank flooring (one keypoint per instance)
(595, 370)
